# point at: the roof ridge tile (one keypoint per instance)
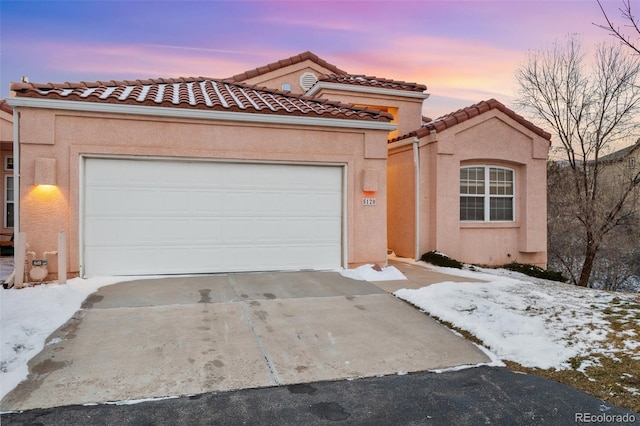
(292, 60)
(4, 106)
(372, 81)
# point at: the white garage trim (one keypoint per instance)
(147, 216)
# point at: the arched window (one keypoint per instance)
(486, 194)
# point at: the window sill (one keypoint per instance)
(486, 225)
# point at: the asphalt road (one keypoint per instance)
(476, 396)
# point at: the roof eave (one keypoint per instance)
(200, 114)
(365, 89)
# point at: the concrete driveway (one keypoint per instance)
(191, 335)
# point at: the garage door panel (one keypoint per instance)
(326, 231)
(204, 202)
(103, 201)
(301, 254)
(103, 231)
(205, 229)
(163, 216)
(237, 231)
(323, 203)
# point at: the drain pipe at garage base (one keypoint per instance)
(416, 169)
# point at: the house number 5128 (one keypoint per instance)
(368, 201)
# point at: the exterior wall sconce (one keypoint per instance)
(45, 171)
(370, 179)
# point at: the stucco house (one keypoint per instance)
(288, 166)
(6, 183)
(620, 169)
(623, 164)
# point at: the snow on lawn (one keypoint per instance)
(29, 315)
(534, 322)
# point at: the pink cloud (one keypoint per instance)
(449, 67)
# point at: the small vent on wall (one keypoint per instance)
(307, 80)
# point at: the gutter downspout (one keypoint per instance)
(16, 173)
(416, 167)
(19, 239)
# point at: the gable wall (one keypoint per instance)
(290, 74)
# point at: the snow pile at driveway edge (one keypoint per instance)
(29, 315)
(370, 272)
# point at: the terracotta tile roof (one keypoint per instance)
(383, 83)
(464, 114)
(337, 76)
(285, 63)
(4, 106)
(197, 93)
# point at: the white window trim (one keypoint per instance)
(6, 163)
(7, 202)
(487, 196)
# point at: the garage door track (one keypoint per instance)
(190, 335)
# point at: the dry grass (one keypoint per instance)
(609, 381)
(612, 375)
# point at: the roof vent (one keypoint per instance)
(307, 80)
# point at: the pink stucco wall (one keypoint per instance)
(401, 206)
(6, 150)
(409, 115)
(65, 136)
(489, 139)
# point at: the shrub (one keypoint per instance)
(439, 259)
(535, 271)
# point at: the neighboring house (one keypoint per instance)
(254, 172)
(620, 168)
(6, 183)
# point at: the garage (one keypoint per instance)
(144, 216)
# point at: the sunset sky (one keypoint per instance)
(464, 51)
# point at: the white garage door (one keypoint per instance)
(174, 217)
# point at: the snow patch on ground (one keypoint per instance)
(29, 315)
(6, 267)
(536, 323)
(370, 272)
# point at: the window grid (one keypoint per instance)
(8, 201)
(486, 194)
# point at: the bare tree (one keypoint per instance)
(632, 25)
(588, 108)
